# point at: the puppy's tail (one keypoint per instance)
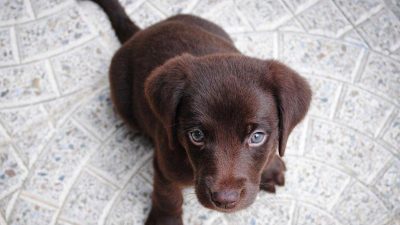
(122, 24)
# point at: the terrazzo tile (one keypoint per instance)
(353, 36)
(299, 5)
(382, 75)
(50, 34)
(133, 204)
(388, 186)
(358, 11)
(98, 114)
(382, 31)
(13, 11)
(7, 51)
(195, 213)
(29, 129)
(267, 14)
(391, 133)
(87, 199)
(219, 221)
(43, 7)
(363, 111)
(28, 212)
(325, 19)
(358, 206)
(122, 153)
(295, 142)
(260, 44)
(226, 15)
(263, 211)
(202, 7)
(308, 215)
(312, 181)
(60, 108)
(172, 7)
(146, 15)
(291, 25)
(53, 172)
(7, 203)
(75, 71)
(325, 94)
(25, 84)
(310, 54)
(346, 149)
(12, 171)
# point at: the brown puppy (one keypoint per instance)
(216, 117)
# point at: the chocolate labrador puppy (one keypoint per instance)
(216, 116)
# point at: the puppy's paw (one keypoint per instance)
(274, 174)
(155, 218)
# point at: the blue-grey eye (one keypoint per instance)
(257, 138)
(196, 136)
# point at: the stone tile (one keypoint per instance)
(7, 51)
(12, 171)
(267, 14)
(299, 5)
(27, 212)
(391, 134)
(358, 206)
(227, 16)
(172, 7)
(312, 181)
(263, 211)
(75, 71)
(358, 11)
(346, 149)
(325, 19)
(260, 44)
(50, 34)
(13, 11)
(310, 54)
(388, 186)
(325, 94)
(291, 25)
(43, 7)
(202, 7)
(295, 142)
(147, 170)
(98, 114)
(29, 129)
(382, 31)
(308, 215)
(363, 111)
(7, 203)
(60, 108)
(87, 200)
(123, 153)
(353, 36)
(25, 84)
(382, 75)
(54, 171)
(133, 204)
(219, 221)
(146, 15)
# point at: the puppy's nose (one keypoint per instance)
(226, 199)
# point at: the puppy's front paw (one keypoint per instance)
(155, 218)
(274, 174)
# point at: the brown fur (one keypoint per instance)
(184, 73)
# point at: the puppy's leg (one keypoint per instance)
(274, 174)
(167, 201)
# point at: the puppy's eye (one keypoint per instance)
(196, 136)
(257, 138)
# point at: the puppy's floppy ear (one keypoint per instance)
(163, 91)
(293, 97)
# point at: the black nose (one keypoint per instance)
(225, 199)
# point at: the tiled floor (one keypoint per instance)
(65, 158)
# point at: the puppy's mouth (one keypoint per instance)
(209, 200)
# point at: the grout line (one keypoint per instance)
(348, 183)
(52, 77)
(360, 66)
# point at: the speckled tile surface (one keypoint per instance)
(67, 159)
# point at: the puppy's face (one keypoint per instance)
(228, 126)
(230, 113)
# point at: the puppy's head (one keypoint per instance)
(230, 113)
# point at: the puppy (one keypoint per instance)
(216, 117)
